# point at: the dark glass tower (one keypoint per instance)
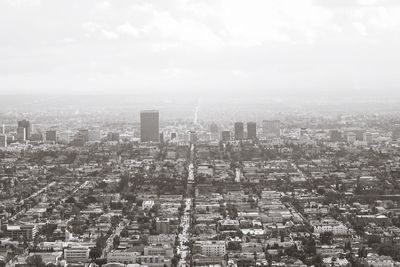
(239, 131)
(149, 126)
(251, 130)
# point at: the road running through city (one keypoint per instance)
(183, 249)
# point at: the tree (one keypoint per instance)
(373, 239)
(94, 253)
(101, 242)
(35, 260)
(317, 260)
(234, 246)
(70, 200)
(362, 252)
(347, 246)
(326, 238)
(309, 245)
(116, 241)
(124, 232)
(389, 249)
(321, 191)
(175, 260)
(282, 237)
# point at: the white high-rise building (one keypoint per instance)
(3, 140)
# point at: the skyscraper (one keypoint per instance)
(368, 138)
(82, 134)
(149, 126)
(351, 137)
(272, 128)
(251, 130)
(225, 136)
(51, 136)
(21, 134)
(239, 131)
(28, 128)
(162, 137)
(3, 140)
(214, 128)
(38, 136)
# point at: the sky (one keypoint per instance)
(258, 47)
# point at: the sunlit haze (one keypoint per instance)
(320, 48)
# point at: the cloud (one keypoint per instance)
(361, 29)
(109, 35)
(91, 26)
(23, 3)
(103, 5)
(128, 29)
(93, 29)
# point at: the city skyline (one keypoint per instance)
(199, 133)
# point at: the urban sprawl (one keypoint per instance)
(280, 192)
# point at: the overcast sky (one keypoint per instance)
(172, 46)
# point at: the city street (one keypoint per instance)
(183, 237)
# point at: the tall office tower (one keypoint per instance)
(21, 134)
(251, 130)
(225, 136)
(351, 137)
(396, 132)
(37, 137)
(335, 135)
(239, 131)
(359, 134)
(368, 138)
(82, 134)
(149, 126)
(51, 136)
(3, 140)
(272, 128)
(2, 130)
(162, 137)
(214, 128)
(28, 128)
